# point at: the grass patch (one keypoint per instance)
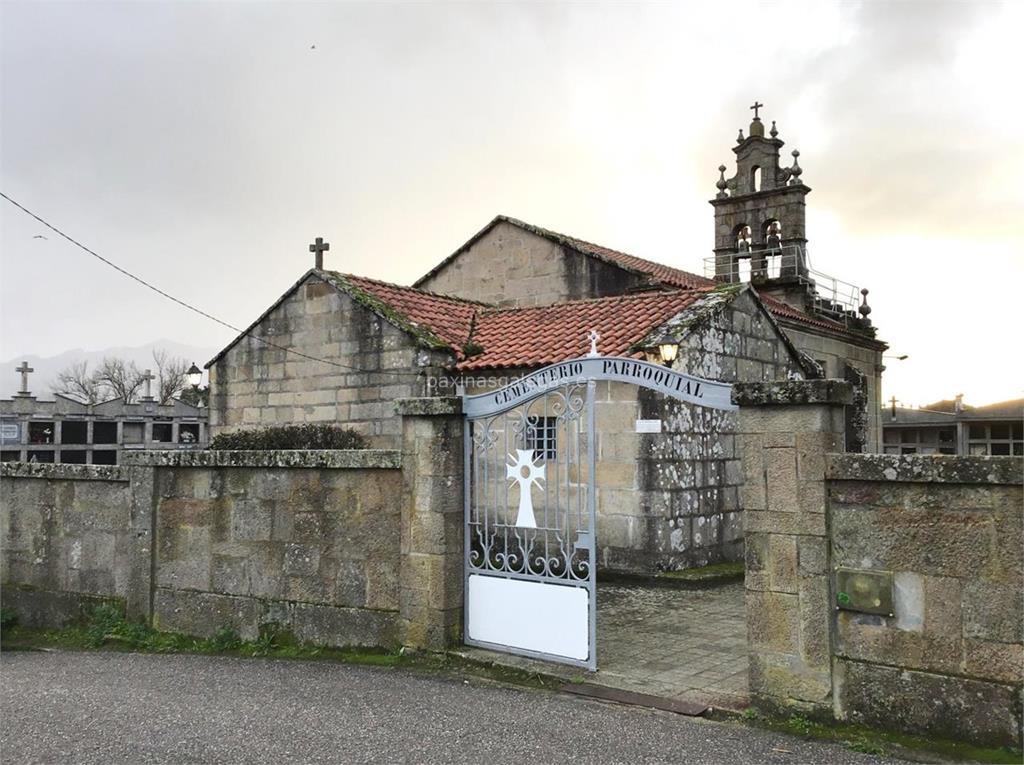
(714, 571)
(860, 738)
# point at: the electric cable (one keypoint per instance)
(194, 309)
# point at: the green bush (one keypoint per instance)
(308, 436)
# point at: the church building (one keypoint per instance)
(342, 348)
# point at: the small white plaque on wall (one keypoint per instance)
(648, 426)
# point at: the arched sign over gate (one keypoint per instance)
(530, 522)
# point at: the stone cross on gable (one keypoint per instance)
(319, 247)
(755, 107)
(24, 369)
(148, 378)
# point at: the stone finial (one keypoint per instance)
(864, 309)
(739, 138)
(722, 183)
(774, 131)
(795, 171)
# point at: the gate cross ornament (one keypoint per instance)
(524, 471)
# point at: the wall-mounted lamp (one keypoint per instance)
(668, 349)
(904, 357)
(664, 351)
(195, 375)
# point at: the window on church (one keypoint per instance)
(541, 437)
(755, 178)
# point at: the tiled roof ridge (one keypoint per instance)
(408, 288)
(575, 242)
(568, 304)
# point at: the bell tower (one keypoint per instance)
(759, 213)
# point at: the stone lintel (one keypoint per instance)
(273, 458)
(63, 472)
(429, 406)
(921, 468)
(792, 392)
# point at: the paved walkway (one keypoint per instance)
(685, 644)
(675, 643)
(87, 708)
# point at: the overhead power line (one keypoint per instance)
(194, 309)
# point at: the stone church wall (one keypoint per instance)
(834, 354)
(684, 509)
(371, 364)
(509, 266)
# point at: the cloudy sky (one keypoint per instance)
(202, 145)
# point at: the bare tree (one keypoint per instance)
(122, 378)
(76, 382)
(172, 375)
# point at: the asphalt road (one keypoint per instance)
(114, 707)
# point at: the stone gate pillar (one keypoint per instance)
(785, 430)
(431, 569)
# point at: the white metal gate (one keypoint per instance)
(530, 527)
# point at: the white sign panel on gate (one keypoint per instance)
(531, 616)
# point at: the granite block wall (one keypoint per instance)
(950, 531)
(307, 542)
(69, 541)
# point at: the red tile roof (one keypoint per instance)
(527, 337)
(448, 318)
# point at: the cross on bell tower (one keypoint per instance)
(319, 247)
(24, 371)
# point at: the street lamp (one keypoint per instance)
(195, 375)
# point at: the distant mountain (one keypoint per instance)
(46, 369)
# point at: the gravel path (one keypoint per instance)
(114, 707)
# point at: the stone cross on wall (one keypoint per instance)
(755, 107)
(319, 247)
(147, 379)
(24, 369)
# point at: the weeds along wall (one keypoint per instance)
(305, 542)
